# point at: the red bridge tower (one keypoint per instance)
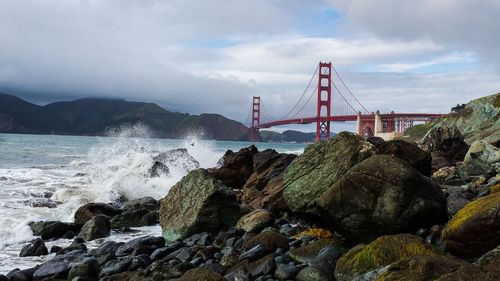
(324, 101)
(254, 133)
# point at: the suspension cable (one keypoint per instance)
(303, 93)
(307, 101)
(341, 80)
(333, 84)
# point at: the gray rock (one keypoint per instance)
(35, 248)
(52, 229)
(89, 268)
(98, 227)
(90, 210)
(59, 266)
(141, 245)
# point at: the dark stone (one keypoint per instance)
(262, 266)
(98, 227)
(410, 152)
(254, 253)
(135, 218)
(158, 169)
(106, 251)
(236, 167)
(115, 266)
(90, 210)
(184, 255)
(35, 248)
(287, 272)
(142, 245)
(52, 229)
(89, 269)
(410, 201)
(3, 278)
(165, 251)
(22, 275)
(77, 244)
(376, 141)
(215, 267)
(59, 266)
(270, 241)
(446, 145)
(55, 249)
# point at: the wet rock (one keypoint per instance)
(262, 266)
(255, 221)
(21, 275)
(410, 152)
(77, 244)
(382, 195)
(319, 167)
(383, 251)
(58, 267)
(254, 253)
(89, 269)
(236, 167)
(422, 268)
(270, 241)
(215, 267)
(200, 274)
(446, 145)
(90, 210)
(135, 218)
(238, 273)
(158, 169)
(138, 246)
(52, 229)
(177, 158)
(106, 251)
(474, 229)
(230, 258)
(198, 202)
(308, 253)
(312, 273)
(165, 251)
(375, 140)
(264, 188)
(287, 271)
(35, 248)
(481, 159)
(98, 227)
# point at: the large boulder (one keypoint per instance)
(382, 195)
(255, 221)
(382, 252)
(409, 152)
(319, 167)
(98, 227)
(197, 203)
(236, 167)
(482, 159)
(90, 210)
(139, 212)
(264, 188)
(53, 229)
(446, 145)
(475, 229)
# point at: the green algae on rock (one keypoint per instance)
(475, 229)
(382, 252)
(198, 202)
(320, 166)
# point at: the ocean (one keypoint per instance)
(47, 177)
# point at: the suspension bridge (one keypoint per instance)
(330, 100)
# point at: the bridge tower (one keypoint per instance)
(324, 101)
(254, 133)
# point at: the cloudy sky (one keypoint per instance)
(214, 55)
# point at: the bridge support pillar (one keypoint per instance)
(359, 130)
(254, 130)
(324, 101)
(379, 127)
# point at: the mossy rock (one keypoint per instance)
(321, 165)
(200, 274)
(318, 233)
(198, 202)
(270, 240)
(382, 252)
(421, 268)
(308, 253)
(475, 229)
(382, 195)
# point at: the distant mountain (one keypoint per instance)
(93, 116)
(288, 136)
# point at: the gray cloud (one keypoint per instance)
(459, 24)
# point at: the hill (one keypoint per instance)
(478, 120)
(93, 116)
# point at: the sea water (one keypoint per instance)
(47, 177)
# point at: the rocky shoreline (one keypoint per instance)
(346, 209)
